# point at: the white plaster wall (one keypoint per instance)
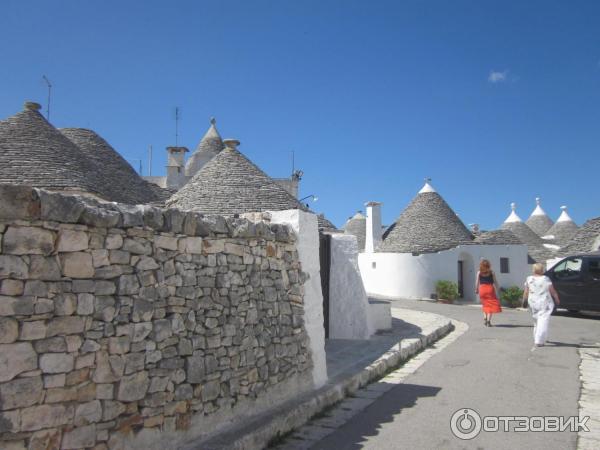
(406, 276)
(349, 312)
(306, 227)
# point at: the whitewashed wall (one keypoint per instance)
(306, 227)
(406, 276)
(349, 312)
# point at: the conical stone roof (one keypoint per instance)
(539, 221)
(427, 225)
(35, 153)
(564, 228)
(357, 226)
(586, 239)
(535, 244)
(231, 184)
(209, 147)
(120, 181)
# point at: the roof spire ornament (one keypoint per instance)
(538, 211)
(427, 187)
(513, 217)
(564, 215)
(213, 121)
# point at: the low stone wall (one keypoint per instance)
(122, 325)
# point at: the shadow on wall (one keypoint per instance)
(369, 423)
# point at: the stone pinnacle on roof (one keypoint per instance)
(513, 217)
(427, 225)
(210, 145)
(539, 221)
(564, 228)
(427, 187)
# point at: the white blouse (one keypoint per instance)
(539, 292)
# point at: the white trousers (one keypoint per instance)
(541, 320)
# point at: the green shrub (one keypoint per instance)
(511, 296)
(446, 290)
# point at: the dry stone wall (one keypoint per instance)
(117, 319)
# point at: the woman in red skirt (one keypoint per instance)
(486, 287)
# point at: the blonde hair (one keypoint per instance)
(538, 269)
(484, 267)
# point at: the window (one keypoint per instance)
(594, 267)
(504, 266)
(570, 268)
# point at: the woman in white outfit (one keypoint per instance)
(539, 293)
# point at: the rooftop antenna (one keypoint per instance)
(49, 92)
(150, 161)
(140, 162)
(176, 125)
(293, 162)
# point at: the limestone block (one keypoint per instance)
(85, 304)
(213, 246)
(162, 330)
(15, 306)
(36, 288)
(60, 208)
(11, 287)
(13, 267)
(104, 308)
(192, 245)
(9, 330)
(112, 409)
(77, 265)
(158, 384)
(195, 369)
(104, 372)
(65, 304)
(28, 241)
(87, 413)
(131, 215)
(74, 342)
(105, 392)
(146, 263)
(143, 310)
(15, 359)
(43, 306)
(166, 242)
(19, 202)
(10, 421)
(89, 346)
(211, 390)
(103, 287)
(81, 437)
(141, 331)
(72, 241)
(99, 217)
(119, 257)
(113, 241)
(21, 392)
(119, 345)
(45, 440)
(45, 416)
(174, 220)
(133, 387)
(66, 325)
(153, 217)
(51, 345)
(33, 330)
(56, 362)
(44, 268)
(55, 381)
(137, 246)
(128, 285)
(86, 360)
(100, 258)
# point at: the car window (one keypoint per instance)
(594, 266)
(568, 268)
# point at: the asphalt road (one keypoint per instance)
(490, 370)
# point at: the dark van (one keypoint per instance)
(577, 280)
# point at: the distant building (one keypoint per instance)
(428, 243)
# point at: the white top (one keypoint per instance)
(564, 216)
(538, 211)
(539, 292)
(513, 215)
(427, 187)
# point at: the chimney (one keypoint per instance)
(475, 229)
(231, 143)
(373, 231)
(176, 167)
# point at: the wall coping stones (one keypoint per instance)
(22, 202)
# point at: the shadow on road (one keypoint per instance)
(569, 344)
(510, 325)
(369, 422)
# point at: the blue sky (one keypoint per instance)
(495, 101)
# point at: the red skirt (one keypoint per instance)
(489, 301)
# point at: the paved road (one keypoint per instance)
(491, 370)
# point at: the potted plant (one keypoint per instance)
(446, 291)
(511, 296)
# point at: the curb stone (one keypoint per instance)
(295, 413)
(589, 399)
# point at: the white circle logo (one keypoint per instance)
(465, 423)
